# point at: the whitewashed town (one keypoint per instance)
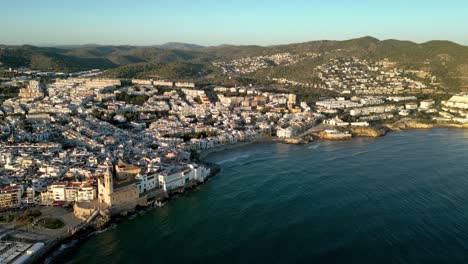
(105, 147)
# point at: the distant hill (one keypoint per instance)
(173, 71)
(444, 59)
(51, 59)
(91, 57)
(180, 46)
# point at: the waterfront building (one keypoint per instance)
(30, 196)
(86, 193)
(118, 192)
(146, 182)
(288, 132)
(336, 121)
(181, 177)
(68, 192)
(336, 134)
(360, 124)
(171, 180)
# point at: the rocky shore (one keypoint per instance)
(407, 123)
(299, 140)
(347, 133)
(371, 131)
(376, 131)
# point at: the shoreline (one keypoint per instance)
(406, 124)
(206, 152)
(388, 128)
(89, 232)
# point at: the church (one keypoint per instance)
(116, 186)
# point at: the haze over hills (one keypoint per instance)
(444, 59)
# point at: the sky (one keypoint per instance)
(238, 22)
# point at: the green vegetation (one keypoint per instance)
(97, 114)
(446, 60)
(27, 217)
(173, 70)
(309, 95)
(50, 223)
(8, 92)
(199, 135)
(7, 217)
(194, 155)
(50, 59)
(11, 90)
(131, 99)
(33, 213)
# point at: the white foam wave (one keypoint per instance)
(233, 159)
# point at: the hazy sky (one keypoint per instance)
(210, 22)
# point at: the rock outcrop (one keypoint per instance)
(421, 124)
(296, 141)
(368, 131)
(328, 136)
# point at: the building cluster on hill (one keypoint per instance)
(344, 75)
(361, 77)
(249, 65)
(374, 108)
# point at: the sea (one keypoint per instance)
(402, 198)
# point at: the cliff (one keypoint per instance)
(368, 131)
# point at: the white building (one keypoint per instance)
(171, 180)
(146, 182)
(86, 193)
(373, 110)
(459, 101)
(185, 84)
(426, 104)
(68, 192)
(336, 121)
(411, 106)
(10, 196)
(288, 132)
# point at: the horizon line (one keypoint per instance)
(51, 45)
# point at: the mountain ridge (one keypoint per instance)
(443, 58)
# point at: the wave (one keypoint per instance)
(314, 146)
(234, 159)
(68, 245)
(61, 251)
(103, 230)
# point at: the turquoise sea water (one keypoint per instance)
(402, 198)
